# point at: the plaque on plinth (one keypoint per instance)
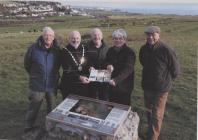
(85, 117)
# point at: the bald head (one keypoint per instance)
(74, 39)
(96, 36)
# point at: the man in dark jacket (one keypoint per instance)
(97, 50)
(75, 67)
(42, 64)
(120, 61)
(160, 67)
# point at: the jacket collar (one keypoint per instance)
(155, 46)
(40, 43)
(120, 48)
(71, 48)
(91, 43)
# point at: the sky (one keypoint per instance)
(126, 3)
(130, 1)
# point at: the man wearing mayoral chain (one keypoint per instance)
(75, 67)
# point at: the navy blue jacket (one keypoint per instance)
(42, 66)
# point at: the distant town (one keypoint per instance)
(35, 9)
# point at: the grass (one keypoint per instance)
(180, 32)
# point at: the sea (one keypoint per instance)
(179, 9)
(175, 8)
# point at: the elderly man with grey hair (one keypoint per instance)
(97, 50)
(120, 61)
(160, 67)
(42, 65)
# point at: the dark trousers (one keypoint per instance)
(155, 104)
(36, 99)
(77, 89)
(119, 95)
(98, 90)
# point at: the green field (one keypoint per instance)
(180, 32)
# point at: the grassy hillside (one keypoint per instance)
(180, 32)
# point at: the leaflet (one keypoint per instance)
(100, 76)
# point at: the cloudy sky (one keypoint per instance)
(130, 1)
(125, 3)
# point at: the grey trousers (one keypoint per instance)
(35, 101)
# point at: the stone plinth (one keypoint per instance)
(80, 118)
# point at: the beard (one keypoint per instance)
(75, 45)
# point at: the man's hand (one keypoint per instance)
(110, 68)
(84, 79)
(112, 82)
(91, 68)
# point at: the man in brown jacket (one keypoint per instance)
(160, 67)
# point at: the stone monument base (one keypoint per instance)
(127, 131)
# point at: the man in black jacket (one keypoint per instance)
(160, 67)
(75, 67)
(97, 50)
(120, 61)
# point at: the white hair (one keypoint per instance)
(48, 29)
(119, 32)
(92, 31)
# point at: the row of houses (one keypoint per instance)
(33, 9)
